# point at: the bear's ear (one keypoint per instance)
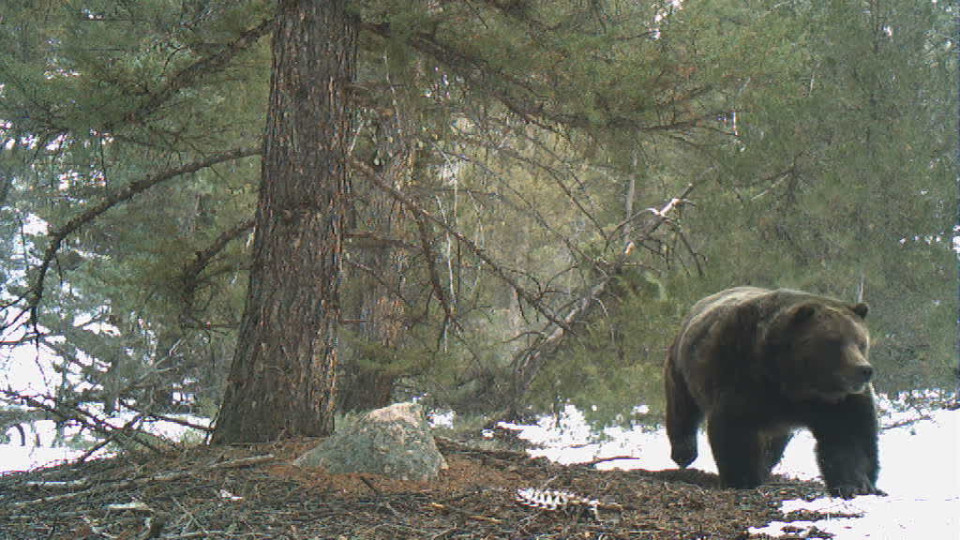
(803, 313)
(861, 310)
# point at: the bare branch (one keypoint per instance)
(429, 257)
(497, 269)
(528, 363)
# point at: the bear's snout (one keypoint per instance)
(863, 374)
(857, 377)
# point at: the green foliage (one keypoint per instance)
(842, 180)
(95, 99)
(614, 363)
(820, 139)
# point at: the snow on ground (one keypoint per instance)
(920, 467)
(24, 458)
(920, 470)
(46, 448)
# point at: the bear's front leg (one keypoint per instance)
(846, 435)
(683, 419)
(738, 451)
(774, 444)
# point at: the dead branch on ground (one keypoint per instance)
(103, 487)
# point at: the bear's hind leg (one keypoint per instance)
(683, 418)
(738, 451)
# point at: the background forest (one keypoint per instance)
(538, 190)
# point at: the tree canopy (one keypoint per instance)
(537, 191)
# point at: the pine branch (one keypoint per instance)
(528, 363)
(474, 70)
(192, 73)
(191, 273)
(50, 124)
(532, 102)
(35, 293)
(497, 269)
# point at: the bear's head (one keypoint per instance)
(819, 351)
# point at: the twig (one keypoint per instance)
(166, 477)
(243, 462)
(96, 529)
(370, 485)
(133, 506)
(606, 459)
(438, 506)
(54, 484)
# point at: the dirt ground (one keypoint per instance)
(253, 492)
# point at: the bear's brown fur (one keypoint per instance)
(759, 363)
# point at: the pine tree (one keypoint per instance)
(500, 241)
(132, 188)
(283, 375)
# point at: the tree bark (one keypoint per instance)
(282, 379)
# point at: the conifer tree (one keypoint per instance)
(282, 378)
(507, 163)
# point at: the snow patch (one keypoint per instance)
(919, 469)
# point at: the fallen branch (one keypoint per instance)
(907, 422)
(136, 482)
(598, 461)
(172, 420)
(242, 462)
(62, 412)
(464, 513)
(59, 484)
(116, 436)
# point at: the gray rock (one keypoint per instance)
(394, 441)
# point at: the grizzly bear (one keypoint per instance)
(759, 363)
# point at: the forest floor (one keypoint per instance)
(254, 492)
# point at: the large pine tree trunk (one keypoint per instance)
(282, 379)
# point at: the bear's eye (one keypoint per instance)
(832, 346)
